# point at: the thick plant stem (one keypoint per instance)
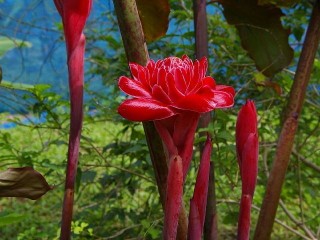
(286, 138)
(136, 51)
(201, 42)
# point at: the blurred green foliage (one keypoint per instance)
(116, 196)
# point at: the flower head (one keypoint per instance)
(170, 86)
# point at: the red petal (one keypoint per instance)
(203, 66)
(135, 69)
(210, 82)
(194, 102)
(160, 95)
(173, 92)
(222, 99)
(180, 81)
(173, 198)
(132, 87)
(143, 109)
(225, 88)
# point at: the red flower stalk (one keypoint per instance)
(74, 14)
(174, 199)
(247, 145)
(173, 93)
(199, 201)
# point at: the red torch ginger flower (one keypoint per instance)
(173, 93)
(167, 87)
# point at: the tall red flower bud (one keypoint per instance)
(198, 202)
(173, 93)
(74, 14)
(247, 145)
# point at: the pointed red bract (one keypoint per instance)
(173, 198)
(194, 226)
(199, 200)
(244, 218)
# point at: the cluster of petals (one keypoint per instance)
(170, 86)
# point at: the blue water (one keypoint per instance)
(36, 22)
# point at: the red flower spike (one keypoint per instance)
(173, 198)
(173, 93)
(247, 145)
(199, 200)
(246, 125)
(74, 14)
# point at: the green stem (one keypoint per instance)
(290, 124)
(136, 51)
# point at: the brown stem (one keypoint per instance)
(286, 138)
(201, 43)
(136, 51)
(211, 221)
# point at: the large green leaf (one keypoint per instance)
(261, 34)
(154, 17)
(23, 182)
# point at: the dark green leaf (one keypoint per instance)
(261, 34)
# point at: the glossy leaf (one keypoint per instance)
(23, 182)
(154, 17)
(261, 34)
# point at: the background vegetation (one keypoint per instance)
(116, 195)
